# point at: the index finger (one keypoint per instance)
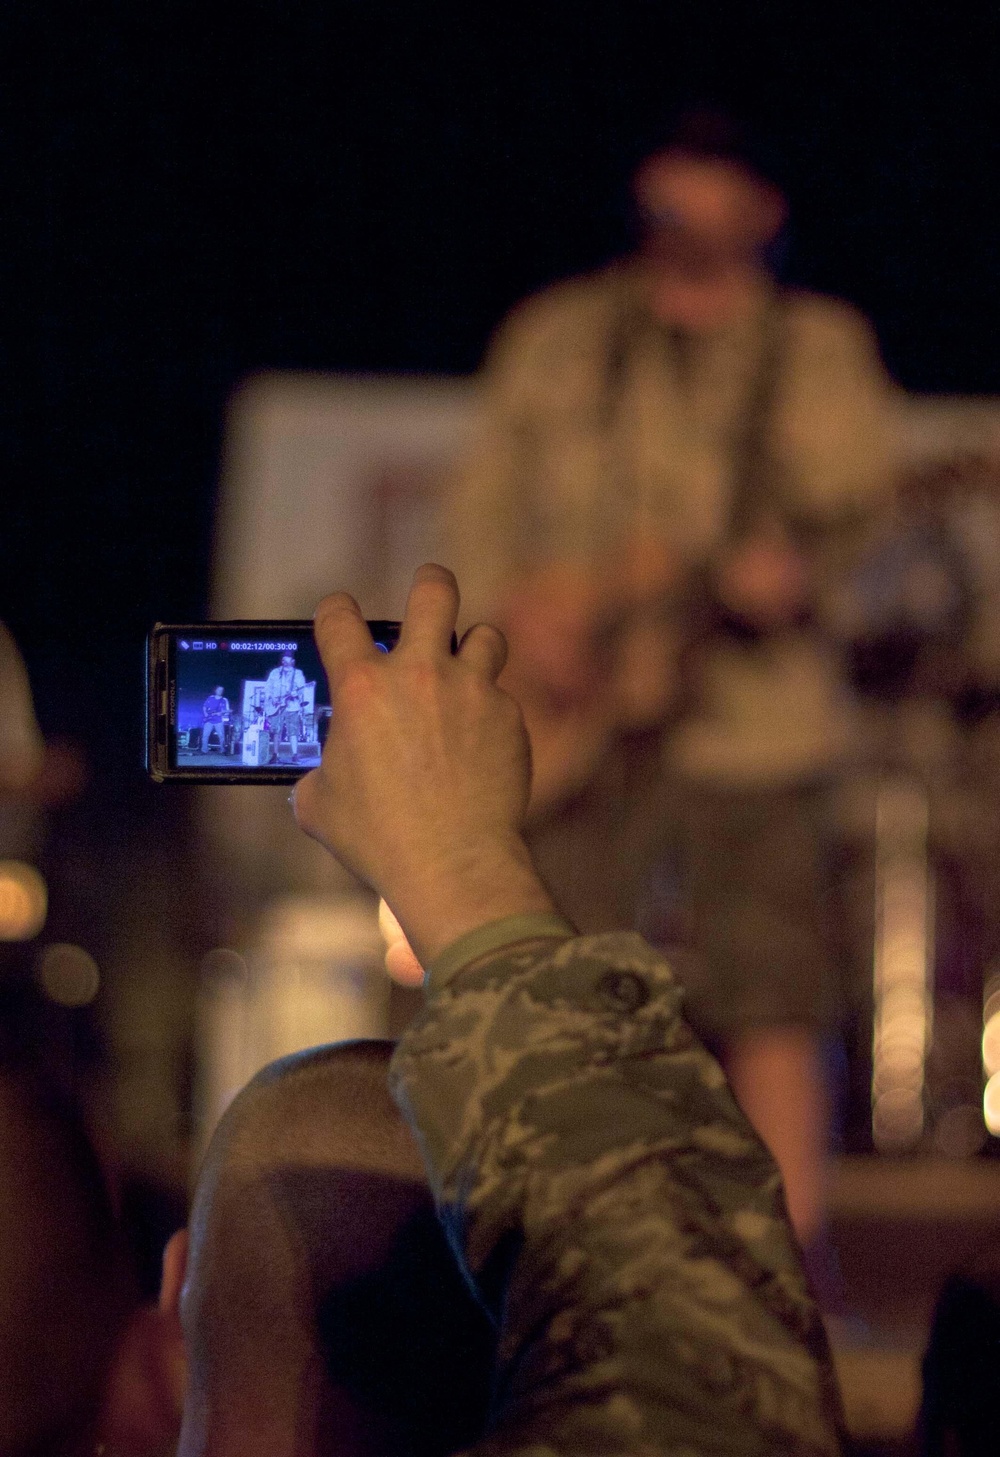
(341, 633)
(431, 610)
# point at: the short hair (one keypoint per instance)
(708, 133)
(62, 1284)
(323, 1310)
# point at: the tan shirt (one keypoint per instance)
(597, 424)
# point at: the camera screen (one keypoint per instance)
(246, 703)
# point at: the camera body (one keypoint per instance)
(243, 702)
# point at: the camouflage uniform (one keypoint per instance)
(616, 1212)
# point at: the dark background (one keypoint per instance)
(194, 192)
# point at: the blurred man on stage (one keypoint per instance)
(675, 460)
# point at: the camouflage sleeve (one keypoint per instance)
(614, 1209)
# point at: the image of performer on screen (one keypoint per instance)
(215, 716)
(284, 696)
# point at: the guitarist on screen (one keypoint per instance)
(284, 697)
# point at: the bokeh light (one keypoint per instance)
(24, 901)
(68, 975)
(991, 1044)
(991, 1104)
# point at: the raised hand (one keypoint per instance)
(425, 776)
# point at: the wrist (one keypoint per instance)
(493, 937)
(449, 897)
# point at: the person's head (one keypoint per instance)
(708, 216)
(61, 1296)
(288, 660)
(321, 1308)
(218, 690)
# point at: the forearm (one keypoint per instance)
(614, 1208)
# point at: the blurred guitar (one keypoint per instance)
(597, 652)
(593, 653)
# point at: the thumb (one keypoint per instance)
(400, 962)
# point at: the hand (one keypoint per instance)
(593, 651)
(564, 620)
(764, 580)
(554, 620)
(425, 775)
